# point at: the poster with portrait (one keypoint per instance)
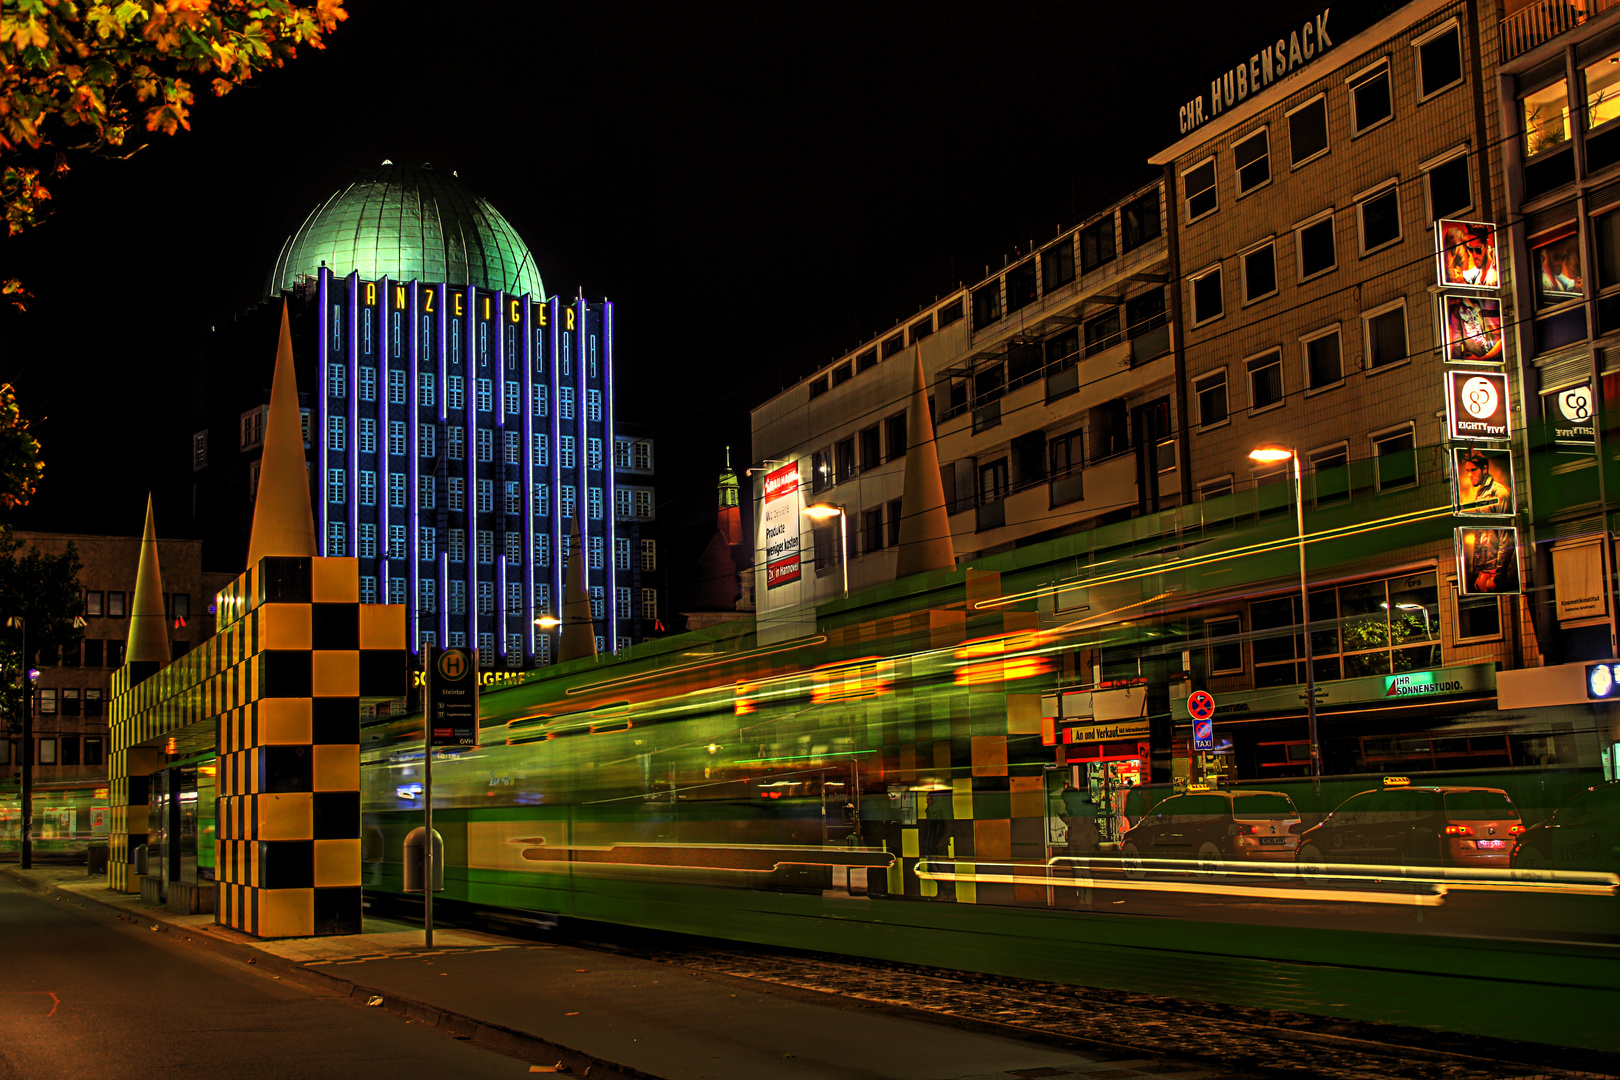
(1488, 560)
(1467, 254)
(1482, 481)
(1473, 328)
(1555, 261)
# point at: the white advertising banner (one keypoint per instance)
(780, 586)
(1578, 582)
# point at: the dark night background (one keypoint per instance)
(757, 188)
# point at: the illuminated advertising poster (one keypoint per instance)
(1467, 255)
(1571, 413)
(1473, 328)
(782, 513)
(1555, 261)
(1482, 481)
(1488, 560)
(1477, 406)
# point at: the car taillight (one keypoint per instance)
(1296, 828)
(1248, 830)
(1459, 830)
(1515, 830)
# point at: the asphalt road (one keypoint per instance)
(84, 994)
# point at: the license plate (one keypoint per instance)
(1490, 843)
(1275, 841)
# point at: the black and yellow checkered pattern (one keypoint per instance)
(281, 684)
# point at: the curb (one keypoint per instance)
(520, 1045)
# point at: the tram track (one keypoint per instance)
(1242, 1042)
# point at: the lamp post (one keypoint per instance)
(1269, 455)
(548, 624)
(822, 512)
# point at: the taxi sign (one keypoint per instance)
(1397, 781)
(1199, 787)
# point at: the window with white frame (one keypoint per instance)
(542, 450)
(1322, 358)
(368, 488)
(1265, 380)
(513, 497)
(643, 455)
(455, 491)
(368, 384)
(1370, 101)
(336, 481)
(649, 554)
(336, 384)
(486, 444)
(424, 395)
(1210, 392)
(621, 502)
(427, 543)
(1215, 487)
(1308, 131)
(1199, 184)
(1447, 185)
(1394, 453)
(336, 432)
(336, 541)
(396, 438)
(367, 542)
(1207, 299)
(593, 503)
(597, 553)
(621, 553)
(368, 435)
(1259, 271)
(565, 402)
(649, 604)
(1252, 160)
(1378, 213)
(1439, 55)
(486, 547)
(486, 496)
(396, 387)
(593, 405)
(565, 452)
(513, 444)
(593, 453)
(486, 395)
(454, 395)
(542, 500)
(396, 546)
(396, 490)
(457, 548)
(1314, 247)
(455, 443)
(644, 504)
(1384, 330)
(425, 492)
(425, 440)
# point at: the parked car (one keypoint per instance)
(1583, 834)
(1214, 827)
(1403, 825)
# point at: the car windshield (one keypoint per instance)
(1478, 806)
(1263, 806)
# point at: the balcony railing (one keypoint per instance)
(1543, 20)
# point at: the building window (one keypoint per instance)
(1330, 473)
(818, 387)
(1097, 244)
(396, 387)
(1479, 618)
(513, 446)
(486, 444)
(486, 497)
(425, 440)
(1252, 160)
(1370, 102)
(367, 541)
(593, 503)
(541, 403)
(1061, 352)
(593, 453)
(1386, 334)
(894, 522)
(1439, 61)
(895, 435)
(1259, 272)
(336, 380)
(842, 374)
(1057, 265)
(1602, 85)
(1210, 391)
(871, 445)
(486, 598)
(1199, 184)
(454, 396)
(1265, 380)
(1555, 264)
(368, 384)
(1206, 295)
(643, 455)
(1102, 332)
(368, 488)
(565, 501)
(1021, 285)
(396, 544)
(396, 490)
(644, 504)
(986, 304)
(1362, 629)
(337, 543)
(514, 497)
(542, 549)
(368, 435)
(425, 492)
(1225, 653)
(456, 550)
(335, 486)
(867, 360)
(950, 313)
(455, 493)
(893, 345)
(593, 405)
(1139, 221)
(199, 451)
(621, 502)
(621, 553)
(427, 544)
(455, 443)
(1380, 217)
(1395, 457)
(1307, 131)
(649, 604)
(1323, 359)
(336, 438)
(485, 395)
(649, 554)
(872, 530)
(845, 452)
(1314, 243)
(396, 438)
(1544, 115)
(993, 484)
(486, 547)
(1449, 191)
(424, 396)
(566, 457)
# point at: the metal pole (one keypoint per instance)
(427, 810)
(1305, 621)
(843, 547)
(25, 858)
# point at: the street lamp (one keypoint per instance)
(1271, 455)
(822, 512)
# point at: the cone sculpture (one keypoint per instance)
(925, 524)
(578, 627)
(148, 632)
(283, 522)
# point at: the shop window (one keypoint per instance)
(1265, 380)
(1206, 296)
(1022, 287)
(1097, 244)
(1544, 118)
(1379, 216)
(1199, 184)
(1385, 329)
(1450, 193)
(986, 304)
(1210, 390)
(1314, 244)
(1323, 359)
(1307, 131)
(1259, 272)
(951, 312)
(1252, 160)
(1225, 653)
(1439, 61)
(1370, 102)
(1395, 458)
(1139, 221)
(1057, 265)
(1555, 261)
(1330, 473)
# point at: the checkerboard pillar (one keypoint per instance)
(289, 751)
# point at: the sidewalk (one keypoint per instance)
(540, 1002)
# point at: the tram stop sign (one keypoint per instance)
(452, 697)
(1201, 707)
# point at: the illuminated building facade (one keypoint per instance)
(456, 419)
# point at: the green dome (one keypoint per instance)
(406, 222)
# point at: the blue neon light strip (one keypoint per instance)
(531, 603)
(352, 481)
(413, 403)
(498, 407)
(385, 359)
(443, 398)
(318, 410)
(469, 403)
(582, 443)
(554, 470)
(609, 449)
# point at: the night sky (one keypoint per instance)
(757, 188)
